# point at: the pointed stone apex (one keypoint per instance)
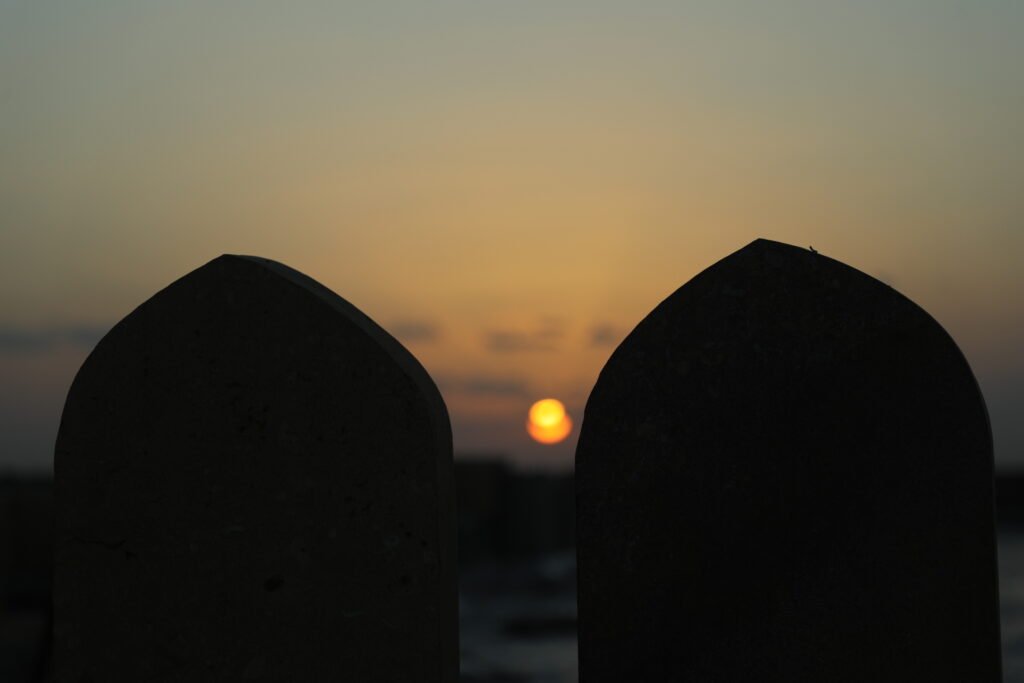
(784, 474)
(252, 476)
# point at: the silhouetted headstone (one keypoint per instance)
(785, 474)
(253, 482)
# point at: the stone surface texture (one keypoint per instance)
(785, 474)
(253, 483)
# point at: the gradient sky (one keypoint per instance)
(508, 187)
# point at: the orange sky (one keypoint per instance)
(507, 187)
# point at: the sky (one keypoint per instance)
(507, 187)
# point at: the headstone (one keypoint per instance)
(253, 483)
(785, 474)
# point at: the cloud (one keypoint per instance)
(544, 338)
(21, 340)
(604, 334)
(485, 385)
(414, 330)
(512, 342)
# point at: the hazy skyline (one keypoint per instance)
(506, 187)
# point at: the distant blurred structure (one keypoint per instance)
(505, 514)
(507, 519)
(26, 529)
(26, 569)
(1010, 500)
(514, 529)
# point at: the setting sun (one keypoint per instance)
(548, 423)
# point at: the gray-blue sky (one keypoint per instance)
(472, 169)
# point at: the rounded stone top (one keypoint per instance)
(784, 473)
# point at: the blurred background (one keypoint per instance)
(508, 188)
(517, 574)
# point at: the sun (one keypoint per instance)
(548, 423)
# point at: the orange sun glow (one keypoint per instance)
(548, 422)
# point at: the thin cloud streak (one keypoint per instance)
(414, 330)
(21, 340)
(507, 341)
(485, 385)
(604, 334)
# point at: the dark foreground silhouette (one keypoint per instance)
(785, 474)
(253, 481)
